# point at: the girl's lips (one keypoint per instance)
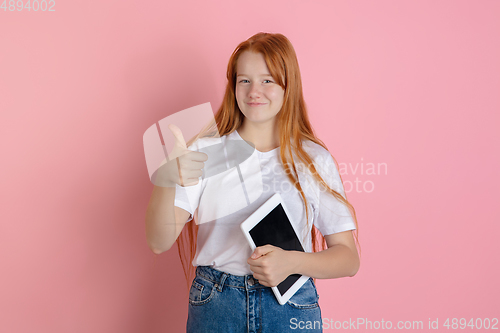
(256, 104)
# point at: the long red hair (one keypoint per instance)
(293, 122)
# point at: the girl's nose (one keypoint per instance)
(254, 90)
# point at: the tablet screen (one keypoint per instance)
(275, 229)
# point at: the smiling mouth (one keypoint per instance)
(256, 104)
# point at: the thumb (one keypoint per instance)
(179, 138)
(261, 251)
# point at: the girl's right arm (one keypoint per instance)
(164, 221)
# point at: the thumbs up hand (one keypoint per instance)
(183, 167)
(179, 145)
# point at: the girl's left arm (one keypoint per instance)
(271, 265)
(339, 260)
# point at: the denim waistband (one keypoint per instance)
(223, 278)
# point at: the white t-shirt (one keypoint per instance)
(219, 203)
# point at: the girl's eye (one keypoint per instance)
(264, 80)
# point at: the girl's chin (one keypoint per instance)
(258, 117)
(258, 120)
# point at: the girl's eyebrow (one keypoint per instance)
(260, 75)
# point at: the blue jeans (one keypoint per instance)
(226, 303)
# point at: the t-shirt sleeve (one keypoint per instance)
(333, 216)
(188, 197)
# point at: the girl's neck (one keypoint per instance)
(264, 137)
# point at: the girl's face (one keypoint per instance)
(258, 95)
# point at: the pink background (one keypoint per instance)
(412, 84)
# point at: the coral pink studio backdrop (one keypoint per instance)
(404, 94)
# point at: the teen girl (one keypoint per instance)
(263, 104)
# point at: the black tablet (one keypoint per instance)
(271, 224)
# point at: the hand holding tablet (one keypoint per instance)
(271, 224)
